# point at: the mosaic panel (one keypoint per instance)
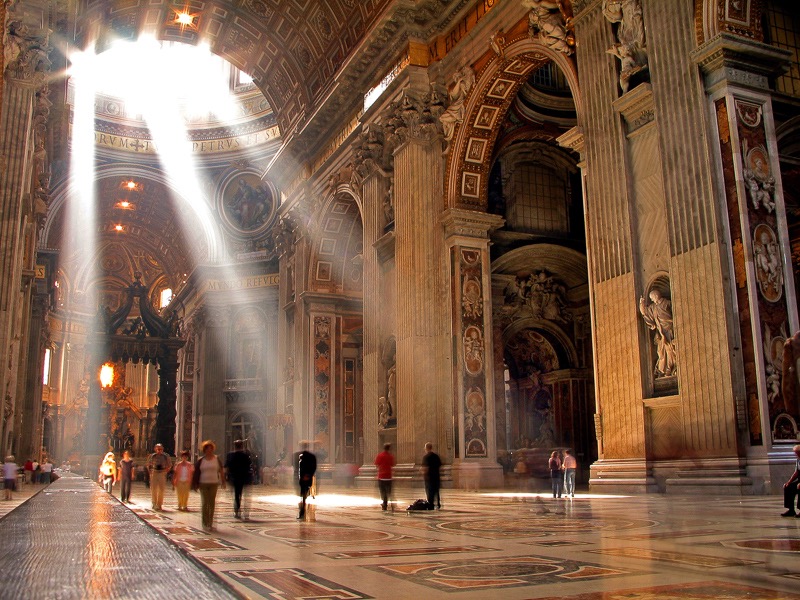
(767, 545)
(404, 552)
(681, 558)
(239, 558)
(207, 544)
(537, 526)
(283, 584)
(497, 573)
(322, 533)
(705, 590)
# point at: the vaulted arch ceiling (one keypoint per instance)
(148, 235)
(299, 52)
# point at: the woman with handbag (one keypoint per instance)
(208, 476)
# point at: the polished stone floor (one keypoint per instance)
(490, 545)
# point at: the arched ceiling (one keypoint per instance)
(154, 237)
(299, 52)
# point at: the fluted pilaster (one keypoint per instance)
(421, 309)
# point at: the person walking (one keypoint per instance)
(570, 465)
(385, 462)
(182, 480)
(556, 475)
(125, 474)
(108, 472)
(791, 489)
(305, 466)
(9, 476)
(28, 471)
(208, 477)
(431, 473)
(47, 471)
(238, 468)
(158, 465)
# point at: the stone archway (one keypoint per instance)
(496, 86)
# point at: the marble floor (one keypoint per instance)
(488, 545)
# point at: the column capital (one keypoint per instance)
(728, 58)
(470, 223)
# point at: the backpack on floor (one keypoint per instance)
(420, 505)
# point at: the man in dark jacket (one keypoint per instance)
(431, 471)
(305, 465)
(238, 470)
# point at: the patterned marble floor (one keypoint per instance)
(486, 545)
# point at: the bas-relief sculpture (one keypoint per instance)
(767, 258)
(547, 20)
(630, 47)
(538, 295)
(461, 84)
(658, 317)
(758, 175)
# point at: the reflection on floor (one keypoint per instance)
(480, 546)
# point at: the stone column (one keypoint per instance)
(212, 327)
(30, 434)
(473, 403)
(613, 283)
(379, 237)
(736, 75)
(167, 398)
(24, 96)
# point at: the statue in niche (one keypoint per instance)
(658, 317)
(391, 388)
(547, 18)
(388, 205)
(630, 46)
(767, 258)
(384, 412)
(462, 83)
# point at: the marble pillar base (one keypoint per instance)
(621, 476)
(474, 476)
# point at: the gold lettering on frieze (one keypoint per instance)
(244, 283)
(442, 45)
(232, 144)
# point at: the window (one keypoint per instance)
(166, 297)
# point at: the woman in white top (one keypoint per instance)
(208, 476)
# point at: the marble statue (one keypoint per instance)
(658, 316)
(630, 46)
(462, 83)
(546, 18)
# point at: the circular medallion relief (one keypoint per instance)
(247, 203)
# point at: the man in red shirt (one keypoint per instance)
(385, 461)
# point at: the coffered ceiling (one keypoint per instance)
(309, 57)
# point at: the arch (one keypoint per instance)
(491, 97)
(212, 237)
(338, 242)
(552, 332)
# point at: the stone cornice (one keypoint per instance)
(573, 139)
(636, 107)
(470, 223)
(732, 58)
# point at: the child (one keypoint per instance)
(182, 480)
